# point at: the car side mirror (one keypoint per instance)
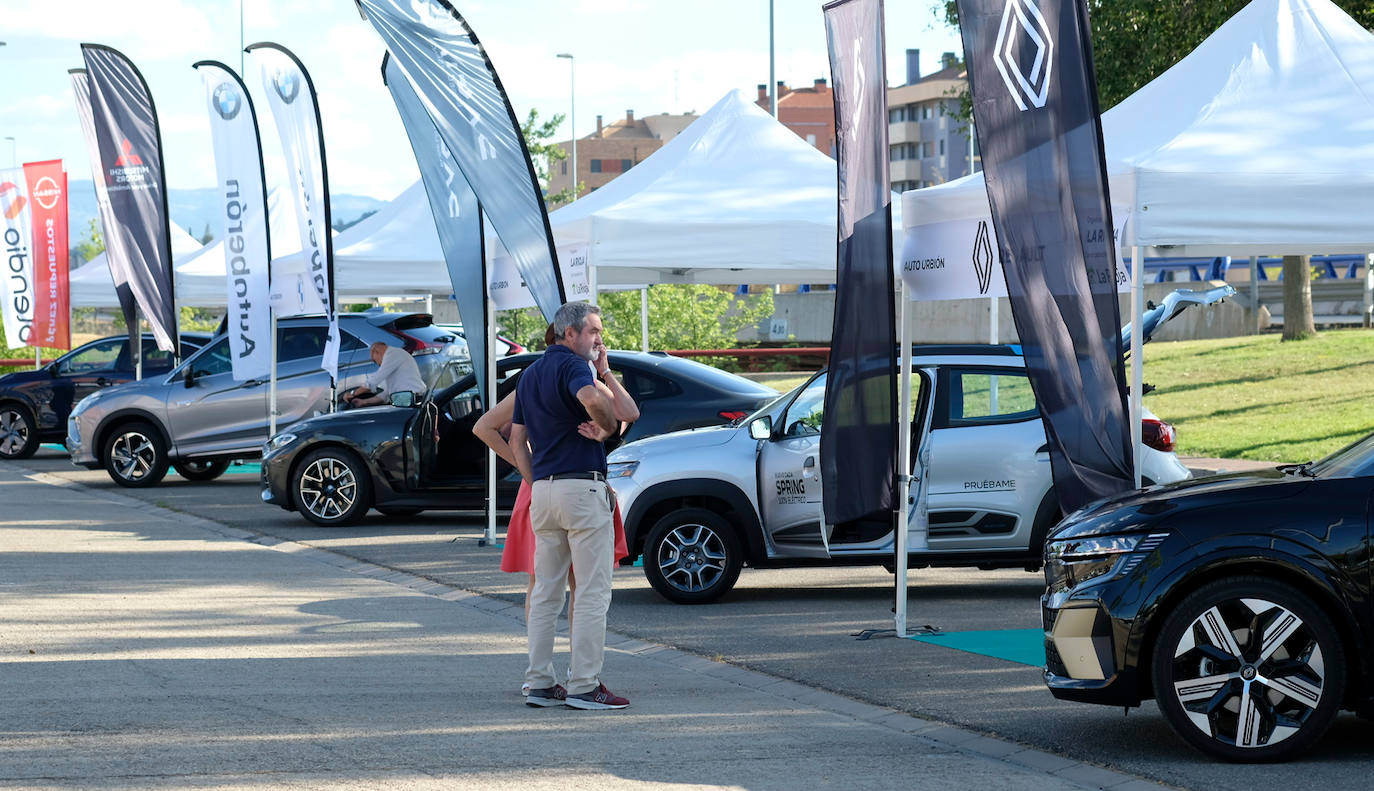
(191, 377)
(761, 427)
(403, 398)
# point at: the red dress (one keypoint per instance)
(519, 552)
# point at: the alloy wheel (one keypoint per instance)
(134, 455)
(692, 557)
(1249, 673)
(14, 432)
(328, 488)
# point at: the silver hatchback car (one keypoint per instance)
(198, 418)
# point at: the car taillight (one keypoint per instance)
(1158, 434)
(416, 347)
(731, 415)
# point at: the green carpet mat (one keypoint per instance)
(1026, 646)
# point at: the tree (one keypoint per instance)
(208, 236)
(91, 245)
(543, 153)
(1297, 298)
(680, 317)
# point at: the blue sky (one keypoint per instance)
(651, 56)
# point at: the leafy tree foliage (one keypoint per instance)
(680, 317)
(543, 153)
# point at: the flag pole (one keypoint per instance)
(903, 460)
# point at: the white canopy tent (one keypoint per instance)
(736, 197)
(92, 286)
(1260, 141)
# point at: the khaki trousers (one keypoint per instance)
(572, 525)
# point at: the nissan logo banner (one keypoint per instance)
(242, 201)
(1035, 110)
(432, 46)
(858, 447)
(130, 143)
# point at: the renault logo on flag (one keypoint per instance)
(288, 85)
(982, 257)
(227, 101)
(1024, 53)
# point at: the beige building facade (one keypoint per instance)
(613, 149)
(927, 145)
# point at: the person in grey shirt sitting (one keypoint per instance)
(397, 372)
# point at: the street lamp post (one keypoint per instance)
(572, 115)
(14, 151)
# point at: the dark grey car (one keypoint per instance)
(199, 418)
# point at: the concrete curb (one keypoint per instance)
(928, 733)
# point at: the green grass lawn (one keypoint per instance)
(1254, 397)
(1260, 398)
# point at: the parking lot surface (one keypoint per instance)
(799, 624)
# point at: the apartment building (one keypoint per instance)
(927, 145)
(614, 148)
(810, 112)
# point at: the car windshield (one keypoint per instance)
(1353, 460)
(773, 404)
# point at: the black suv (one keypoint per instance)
(34, 405)
(1240, 603)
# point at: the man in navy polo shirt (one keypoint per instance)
(570, 506)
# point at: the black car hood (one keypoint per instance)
(1139, 509)
(24, 377)
(340, 422)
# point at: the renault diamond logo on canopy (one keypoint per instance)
(1024, 53)
(982, 257)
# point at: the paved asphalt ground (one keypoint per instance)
(319, 665)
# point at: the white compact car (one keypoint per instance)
(700, 504)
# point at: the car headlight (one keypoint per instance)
(278, 442)
(1072, 562)
(621, 469)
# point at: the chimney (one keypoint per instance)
(629, 116)
(819, 86)
(783, 90)
(763, 91)
(947, 60)
(598, 126)
(913, 66)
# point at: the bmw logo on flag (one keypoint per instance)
(227, 101)
(288, 86)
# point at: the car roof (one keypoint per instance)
(670, 366)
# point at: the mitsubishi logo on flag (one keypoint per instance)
(13, 207)
(128, 158)
(982, 257)
(1024, 53)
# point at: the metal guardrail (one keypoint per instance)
(21, 362)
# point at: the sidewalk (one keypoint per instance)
(1201, 466)
(141, 648)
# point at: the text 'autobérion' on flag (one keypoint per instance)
(457, 217)
(295, 110)
(126, 129)
(241, 197)
(859, 435)
(1036, 114)
(119, 267)
(432, 45)
(16, 287)
(47, 183)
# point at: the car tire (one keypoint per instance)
(331, 487)
(1249, 669)
(18, 434)
(135, 455)
(692, 556)
(395, 510)
(201, 469)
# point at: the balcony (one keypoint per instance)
(904, 132)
